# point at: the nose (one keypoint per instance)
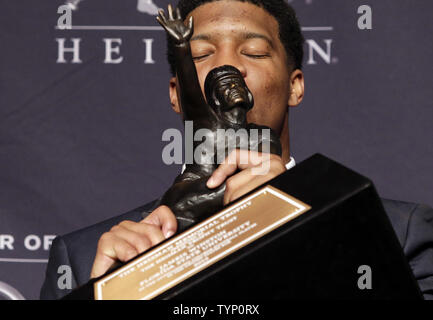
(231, 57)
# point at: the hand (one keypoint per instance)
(175, 26)
(256, 169)
(128, 239)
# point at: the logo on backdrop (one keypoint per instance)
(319, 41)
(145, 6)
(31, 242)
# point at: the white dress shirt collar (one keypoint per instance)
(291, 163)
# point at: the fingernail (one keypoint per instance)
(210, 182)
(168, 234)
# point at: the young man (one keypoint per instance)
(262, 39)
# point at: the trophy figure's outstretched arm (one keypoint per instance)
(193, 104)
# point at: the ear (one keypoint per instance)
(174, 96)
(297, 87)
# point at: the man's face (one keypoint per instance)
(247, 37)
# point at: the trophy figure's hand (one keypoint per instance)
(175, 27)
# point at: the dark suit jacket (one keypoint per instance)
(413, 224)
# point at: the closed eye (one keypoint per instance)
(257, 56)
(197, 58)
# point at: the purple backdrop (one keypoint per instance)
(81, 142)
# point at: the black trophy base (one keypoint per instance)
(325, 253)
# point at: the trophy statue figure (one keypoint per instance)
(228, 100)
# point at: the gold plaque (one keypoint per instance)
(186, 254)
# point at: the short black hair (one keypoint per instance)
(289, 28)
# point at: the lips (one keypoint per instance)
(238, 100)
(236, 97)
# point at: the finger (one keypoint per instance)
(151, 232)
(237, 159)
(161, 14)
(101, 265)
(174, 35)
(242, 183)
(161, 22)
(239, 184)
(241, 159)
(118, 248)
(179, 16)
(249, 179)
(227, 168)
(248, 159)
(164, 25)
(191, 24)
(110, 249)
(164, 218)
(134, 237)
(170, 12)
